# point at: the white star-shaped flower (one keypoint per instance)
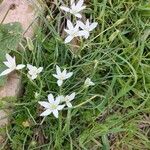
(87, 27)
(74, 8)
(88, 82)
(52, 106)
(33, 71)
(61, 76)
(67, 99)
(11, 64)
(73, 31)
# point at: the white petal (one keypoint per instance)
(80, 3)
(73, 7)
(55, 113)
(34, 76)
(72, 96)
(64, 72)
(71, 2)
(51, 98)
(59, 82)
(68, 39)
(93, 26)
(7, 64)
(76, 28)
(60, 107)
(92, 83)
(78, 15)
(44, 104)
(60, 98)
(68, 31)
(88, 82)
(87, 23)
(5, 72)
(65, 8)
(20, 66)
(69, 25)
(83, 33)
(40, 69)
(68, 75)
(56, 76)
(30, 67)
(9, 58)
(58, 71)
(46, 112)
(81, 8)
(87, 35)
(57, 101)
(81, 24)
(69, 104)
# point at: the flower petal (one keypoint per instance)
(56, 76)
(60, 107)
(68, 75)
(81, 24)
(55, 113)
(44, 104)
(59, 82)
(30, 67)
(58, 71)
(87, 23)
(83, 33)
(20, 66)
(72, 96)
(46, 112)
(65, 8)
(69, 104)
(64, 72)
(40, 69)
(10, 59)
(78, 15)
(68, 31)
(93, 26)
(7, 64)
(69, 25)
(60, 98)
(81, 8)
(51, 98)
(68, 39)
(57, 101)
(5, 72)
(71, 2)
(87, 35)
(80, 3)
(34, 76)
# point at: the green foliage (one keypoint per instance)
(113, 114)
(10, 36)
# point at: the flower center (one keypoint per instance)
(62, 77)
(53, 106)
(74, 11)
(75, 34)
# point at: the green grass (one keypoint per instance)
(113, 114)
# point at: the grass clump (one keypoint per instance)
(112, 114)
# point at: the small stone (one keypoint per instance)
(20, 11)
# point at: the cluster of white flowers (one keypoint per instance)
(11, 64)
(80, 29)
(54, 104)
